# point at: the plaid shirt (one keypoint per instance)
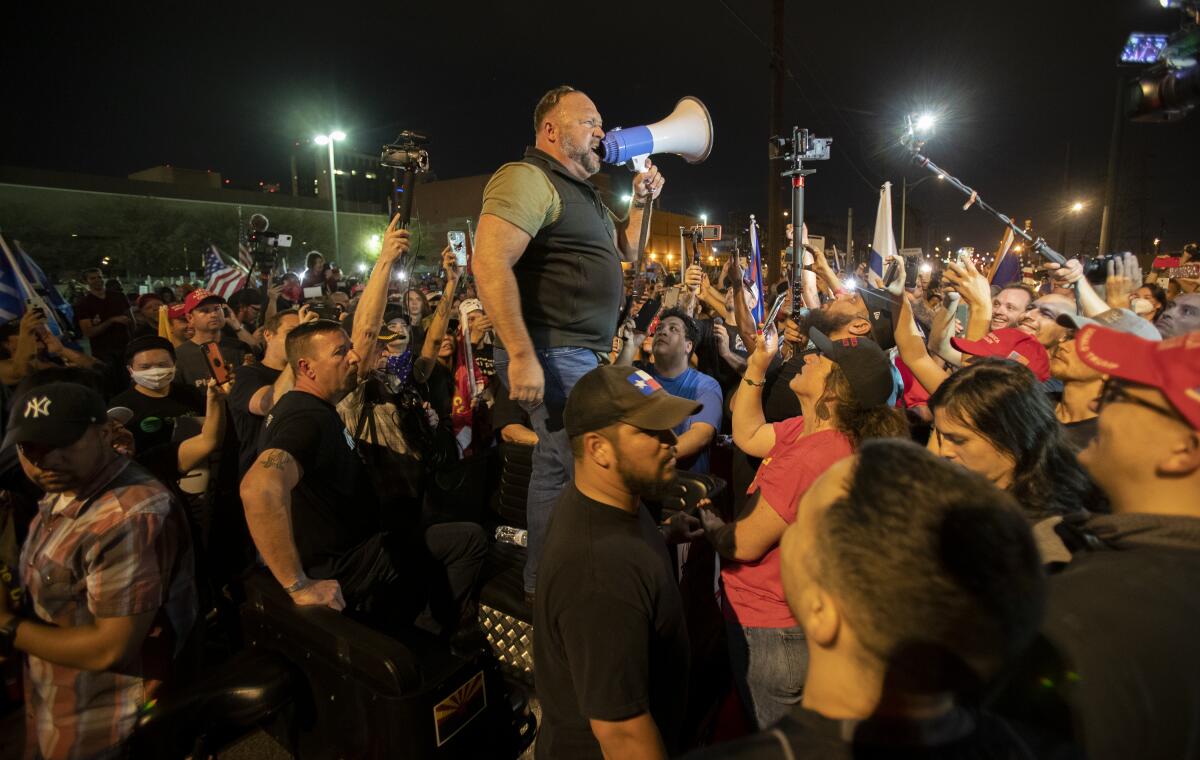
(121, 547)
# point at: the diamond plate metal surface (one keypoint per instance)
(511, 640)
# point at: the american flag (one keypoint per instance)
(244, 257)
(223, 280)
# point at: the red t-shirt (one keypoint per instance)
(914, 393)
(753, 590)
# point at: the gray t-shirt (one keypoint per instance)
(191, 367)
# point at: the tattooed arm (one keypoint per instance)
(267, 496)
(441, 315)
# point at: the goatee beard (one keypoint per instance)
(652, 489)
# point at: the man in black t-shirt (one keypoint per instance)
(312, 508)
(611, 651)
(155, 399)
(916, 582)
(257, 386)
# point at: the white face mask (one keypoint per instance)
(155, 379)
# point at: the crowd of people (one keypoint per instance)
(960, 519)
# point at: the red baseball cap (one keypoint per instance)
(176, 311)
(1171, 366)
(1009, 343)
(198, 297)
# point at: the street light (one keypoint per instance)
(335, 136)
(1076, 207)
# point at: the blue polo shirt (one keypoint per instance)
(695, 386)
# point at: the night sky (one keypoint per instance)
(113, 92)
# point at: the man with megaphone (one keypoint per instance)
(547, 265)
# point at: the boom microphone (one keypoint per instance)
(687, 132)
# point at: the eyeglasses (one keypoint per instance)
(1115, 391)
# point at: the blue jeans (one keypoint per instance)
(769, 667)
(553, 464)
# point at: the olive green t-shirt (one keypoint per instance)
(522, 195)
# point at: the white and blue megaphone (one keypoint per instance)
(687, 132)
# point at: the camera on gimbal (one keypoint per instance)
(801, 146)
(1169, 87)
(406, 152)
(264, 246)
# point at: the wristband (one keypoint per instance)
(298, 585)
(753, 384)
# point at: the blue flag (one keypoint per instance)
(753, 278)
(29, 282)
(1006, 265)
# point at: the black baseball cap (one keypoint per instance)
(882, 307)
(863, 363)
(54, 415)
(148, 343)
(613, 393)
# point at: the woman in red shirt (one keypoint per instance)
(844, 392)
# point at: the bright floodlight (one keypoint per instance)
(321, 139)
(925, 122)
(626, 198)
(1077, 206)
(362, 267)
(849, 283)
(925, 269)
(337, 134)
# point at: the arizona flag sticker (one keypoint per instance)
(454, 712)
(644, 383)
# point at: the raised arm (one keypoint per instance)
(913, 352)
(369, 314)
(751, 432)
(976, 293)
(745, 322)
(942, 329)
(198, 448)
(441, 315)
(646, 187)
(15, 368)
(267, 497)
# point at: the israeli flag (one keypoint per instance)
(884, 244)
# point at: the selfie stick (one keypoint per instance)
(1039, 246)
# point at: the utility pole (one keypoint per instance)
(775, 222)
(1108, 218)
(851, 261)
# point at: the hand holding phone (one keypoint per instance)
(458, 244)
(646, 315)
(216, 363)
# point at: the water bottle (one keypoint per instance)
(507, 534)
